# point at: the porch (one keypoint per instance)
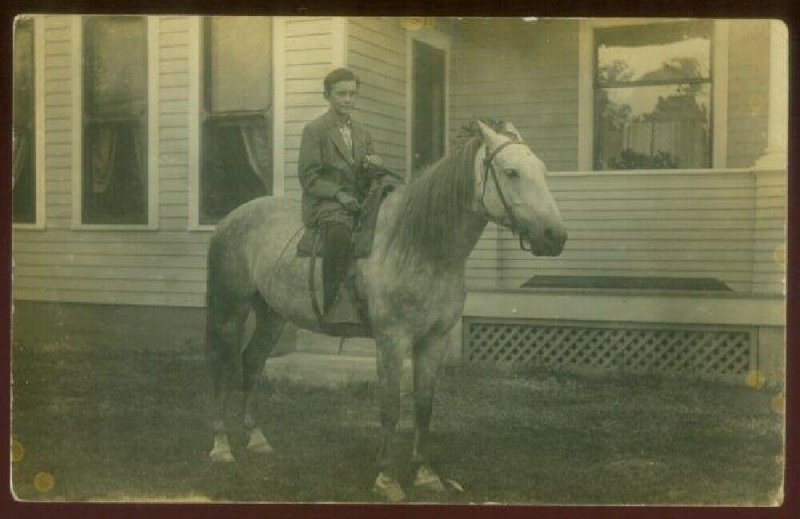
(725, 226)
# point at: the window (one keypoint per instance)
(236, 146)
(23, 167)
(652, 96)
(115, 173)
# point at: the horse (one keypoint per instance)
(412, 281)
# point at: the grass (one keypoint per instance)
(129, 422)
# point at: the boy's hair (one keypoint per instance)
(340, 74)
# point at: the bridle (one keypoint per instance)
(489, 170)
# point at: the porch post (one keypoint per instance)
(775, 154)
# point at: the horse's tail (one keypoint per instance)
(218, 356)
(212, 277)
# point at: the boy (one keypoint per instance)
(335, 168)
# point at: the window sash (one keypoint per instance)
(232, 176)
(678, 138)
(24, 181)
(115, 82)
(641, 38)
(251, 92)
(23, 79)
(664, 82)
(115, 172)
(648, 35)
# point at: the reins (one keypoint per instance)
(488, 167)
(316, 243)
(280, 256)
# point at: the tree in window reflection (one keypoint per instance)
(673, 134)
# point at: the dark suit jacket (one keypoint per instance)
(325, 168)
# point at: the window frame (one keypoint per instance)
(151, 31)
(38, 128)
(197, 115)
(586, 90)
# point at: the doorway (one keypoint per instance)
(428, 112)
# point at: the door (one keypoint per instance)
(428, 87)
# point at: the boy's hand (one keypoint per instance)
(349, 202)
(373, 160)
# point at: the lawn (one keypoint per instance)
(129, 422)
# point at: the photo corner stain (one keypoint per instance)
(17, 451)
(44, 482)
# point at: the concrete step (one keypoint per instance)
(326, 370)
(310, 342)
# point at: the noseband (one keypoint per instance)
(488, 170)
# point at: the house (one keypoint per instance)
(666, 143)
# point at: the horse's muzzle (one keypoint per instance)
(549, 243)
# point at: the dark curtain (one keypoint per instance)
(20, 155)
(116, 187)
(237, 164)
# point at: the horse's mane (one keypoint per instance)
(435, 201)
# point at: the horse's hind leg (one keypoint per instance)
(223, 331)
(269, 325)
(428, 356)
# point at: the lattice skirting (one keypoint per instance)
(724, 352)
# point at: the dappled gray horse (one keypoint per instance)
(413, 280)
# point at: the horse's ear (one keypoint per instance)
(490, 137)
(508, 127)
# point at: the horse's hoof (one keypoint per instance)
(388, 488)
(221, 456)
(258, 443)
(428, 480)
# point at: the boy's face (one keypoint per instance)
(342, 97)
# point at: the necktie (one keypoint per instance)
(347, 136)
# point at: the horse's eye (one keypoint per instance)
(512, 173)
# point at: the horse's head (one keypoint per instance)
(513, 192)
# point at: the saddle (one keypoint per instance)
(364, 231)
(349, 316)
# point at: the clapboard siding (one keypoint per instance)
(533, 83)
(620, 225)
(769, 250)
(161, 267)
(308, 55)
(58, 115)
(376, 51)
(173, 121)
(748, 91)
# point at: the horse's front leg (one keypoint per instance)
(428, 356)
(391, 350)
